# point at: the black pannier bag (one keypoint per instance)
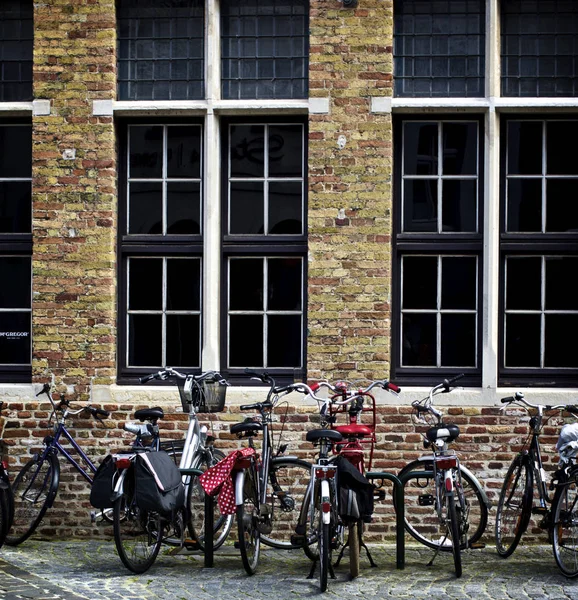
(103, 484)
(355, 492)
(158, 484)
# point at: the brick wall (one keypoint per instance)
(349, 191)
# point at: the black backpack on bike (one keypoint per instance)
(103, 484)
(355, 492)
(158, 483)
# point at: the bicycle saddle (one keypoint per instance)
(355, 430)
(323, 434)
(448, 431)
(149, 414)
(248, 427)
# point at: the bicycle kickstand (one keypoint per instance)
(430, 563)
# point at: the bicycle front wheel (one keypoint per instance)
(137, 533)
(421, 517)
(454, 531)
(248, 521)
(565, 528)
(286, 489)
(34, 490)
(514, 506)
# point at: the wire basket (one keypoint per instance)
(202, 396)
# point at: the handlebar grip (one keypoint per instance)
(572, 409)
(456, 378)
(507, 400)
(281, 389)
(101, 412)
(393, 387)
(147, 378)
(314, 387)
(264, 376)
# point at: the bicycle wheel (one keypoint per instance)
(137, 533)
(310, 529)
(286, 488)
(196, 502)
(34, 490)
(354, 539)
(514, 507)
(4, 511)
(421, 517)
(454, 531)
(248, 521)
(565, 528)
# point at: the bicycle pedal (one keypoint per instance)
(191, 544)
(539, 510)
(425, 500)
(477, 546)
(297, 540)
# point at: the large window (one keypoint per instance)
(15, 251)
(264, 245)
(483, 257)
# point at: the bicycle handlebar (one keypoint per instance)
(518, 398)
(165, 374)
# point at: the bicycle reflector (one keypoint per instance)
(447, 462)
(323, 473)
(123, 463)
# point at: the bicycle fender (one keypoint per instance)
(239, 484)
(55, 482)
(119, 485)
(325, 497)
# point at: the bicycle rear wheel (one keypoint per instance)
(137, 533)
(514, 506)
(454, 531)
(34, 490)
(248, 521)
(286, 489)
(565, 526)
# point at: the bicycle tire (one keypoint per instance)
(249, 537)
(354, 539)
(422, 522)
(454, 532)
(4, 511)
(137, 533)
(514, 506)
(196, 504)
(286, 491)
(324, 543)
(565, 526)
(33, 491)
(311, 534)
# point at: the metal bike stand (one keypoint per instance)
(209, 520)
(399, 493)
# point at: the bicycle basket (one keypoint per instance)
(203, 396)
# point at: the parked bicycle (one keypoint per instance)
(558, 510)
(6, 498)
(140, 533)
(446, 508)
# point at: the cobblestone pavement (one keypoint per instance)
(77, 570)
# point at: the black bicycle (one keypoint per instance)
(6, 498)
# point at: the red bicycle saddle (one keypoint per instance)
(355, 430)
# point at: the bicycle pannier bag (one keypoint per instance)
(103, 484)
(567, 444)
(158, 482)
(355, 492)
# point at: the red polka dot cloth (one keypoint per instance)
(218, 480)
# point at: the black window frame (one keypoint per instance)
(522, 244)
(241, 246)
(138, 246)
(435, 245)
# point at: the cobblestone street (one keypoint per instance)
(74, 570)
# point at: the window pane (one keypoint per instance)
(285, 284)
(458, 336)
(247, 208)
(183, 284)
(524, 205)
(420, 148)
(16, 151)
(523, 283)
(184, 152)
(146, 152)
(420, 205)
(558, 270)
(15, 206)
(459, 283)
(558, 352)
(419, 340)
(183, 208)
(460, 148)
(284, 338)
(285, 150)
(15, 330)
(522, 340)
(420, 276)
(524, 147)
(15, 273)
(459, 205)
(145, 284)
(247, 150)
(285, 208)
(246, 341)
(562, 205)
(145, 208)
(559, 160)
(246, 284)
(183, 340)
(145, 341)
